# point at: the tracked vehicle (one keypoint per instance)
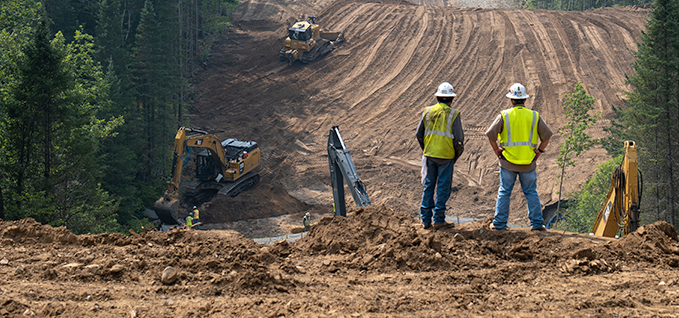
(306, 42)
(222, 168)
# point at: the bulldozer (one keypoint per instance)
(307, 42)
(222, 168)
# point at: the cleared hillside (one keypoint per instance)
(375, 85)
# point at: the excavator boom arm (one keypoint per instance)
(342, 168)
(181, 142)
(620, 209)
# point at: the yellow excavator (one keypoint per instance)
(225, 168)
(620, 210)
(307, 42)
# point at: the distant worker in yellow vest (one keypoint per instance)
(523, 137)
(196, 217)
(440, 135)
(190, 219)
(307, 221)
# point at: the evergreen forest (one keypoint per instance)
(89, 93)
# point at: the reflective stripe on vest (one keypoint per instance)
(438, 135)
(519, 147)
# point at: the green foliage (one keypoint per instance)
(53, 135)
(86, 148)
(653, 110)
(577, 107)
(585, 202)
(579, 5)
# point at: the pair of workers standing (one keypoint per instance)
(523, 137)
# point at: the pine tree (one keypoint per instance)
(654, 108)
(54, 136)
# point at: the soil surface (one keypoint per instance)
(375, 263)
(379, 261)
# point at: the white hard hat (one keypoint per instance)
(308, 214)
(445, 90)
(194, 206)
(517, 91)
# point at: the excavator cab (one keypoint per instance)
(205, 166)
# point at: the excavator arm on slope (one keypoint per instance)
(342, 168)
(620, 210)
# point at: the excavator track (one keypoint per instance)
(246, 182)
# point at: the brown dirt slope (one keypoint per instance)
(377, 263)
(375, 85)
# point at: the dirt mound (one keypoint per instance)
(371, 256)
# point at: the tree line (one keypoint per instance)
(90, 95)
(578, 5)
(649, 117)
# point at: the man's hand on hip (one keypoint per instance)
(498, 152)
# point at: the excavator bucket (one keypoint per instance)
(167, 210)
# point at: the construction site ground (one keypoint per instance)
(378, 261)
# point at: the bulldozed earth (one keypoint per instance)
(377, 262)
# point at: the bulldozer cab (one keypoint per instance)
(300, 31)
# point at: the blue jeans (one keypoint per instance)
(528, 185)
(439, 178)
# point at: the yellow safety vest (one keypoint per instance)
(519, 135)
(189, 220)
(196, 213)
(438, 131)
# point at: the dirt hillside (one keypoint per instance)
(377, 263)
(375, 85)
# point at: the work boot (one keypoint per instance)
(541, 228)
(444, 225)
(492, 227)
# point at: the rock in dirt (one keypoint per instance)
(169, 275)
(117, 268)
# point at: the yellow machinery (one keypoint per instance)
(620, 210)
(226, 168)
(307, 42)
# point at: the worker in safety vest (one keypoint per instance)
(307, 221)
(190, 219)
(523, 137)
(440, 135)
(196, 217)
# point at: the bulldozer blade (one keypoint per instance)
(167, 210)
